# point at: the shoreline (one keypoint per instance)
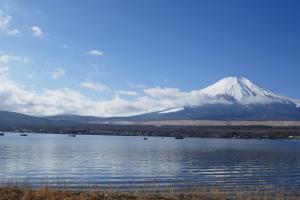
(193, 129)
(205, 193)
(205, 132)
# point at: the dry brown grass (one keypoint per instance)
(46, 193)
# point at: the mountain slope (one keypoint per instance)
(242, 100)
(243, 91)
(10, 119)
(271, 111)
(76, 118)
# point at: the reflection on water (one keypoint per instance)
(131, 161)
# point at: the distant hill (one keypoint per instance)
(76, 118)
(10, 119)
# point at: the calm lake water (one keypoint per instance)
(120, 161)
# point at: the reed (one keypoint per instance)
(47, 193)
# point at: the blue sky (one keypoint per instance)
(107, 48)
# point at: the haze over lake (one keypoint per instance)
(121, 161)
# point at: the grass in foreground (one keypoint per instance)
(18, 193)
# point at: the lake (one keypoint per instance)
(128, 161)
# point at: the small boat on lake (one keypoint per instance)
(179, 138)
(145, 138)
(1, 134)
(72, 135)
(23, 134)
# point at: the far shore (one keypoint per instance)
(276, 123)
(197, 129)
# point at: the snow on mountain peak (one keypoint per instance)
(171, 110)
(238, 88)
(243, 91)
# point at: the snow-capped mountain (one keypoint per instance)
(243, 91)
(236, 87)
(233, 98)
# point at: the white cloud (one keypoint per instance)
(17, 98)
(162, 93)
(57, 73)
(98, 87)
(95, 53)
(4, 71)
(174, 97)
(4, 20)
(127, 93)
(37, 31)
(5, 59)
(61, 101)
(13, 32)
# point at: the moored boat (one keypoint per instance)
(72, 135)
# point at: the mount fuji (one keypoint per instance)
(243, 91)
(232, 98)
